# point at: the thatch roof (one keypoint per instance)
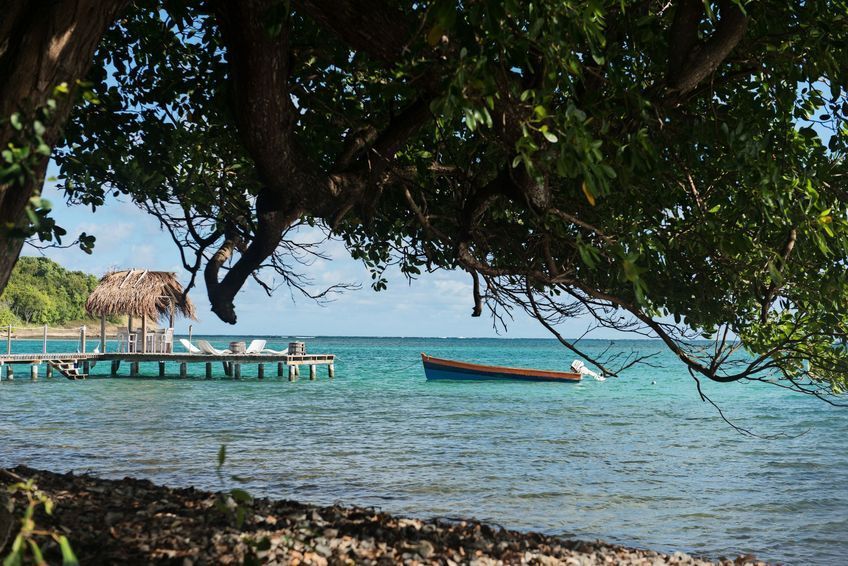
(138, 293)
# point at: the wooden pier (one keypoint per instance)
(77, 365)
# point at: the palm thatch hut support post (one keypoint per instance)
(143, 335)
(148, 295)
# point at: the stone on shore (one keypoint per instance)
(133, 521)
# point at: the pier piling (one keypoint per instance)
(331, 371)
(77, 365)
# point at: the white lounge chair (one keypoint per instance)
(276, 352)
(190, 348)
(207, 348)
(255, 347)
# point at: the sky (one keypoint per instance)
(437, 304)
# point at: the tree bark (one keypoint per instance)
(690, 61)
(42, 45)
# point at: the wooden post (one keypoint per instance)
(292, 376)
(9, 340)
(115, 365)
(279, 369)
(237, 370)
(260, 371)
(44, 341)
(331, 371)
(102, 334)
(312, 372)
(33, 372)
(183, 369)
(161, 369)
(86, 367)
(48, 371)
(226, 368)
(208, 370)
(82, 339)
(143, 334)
(10, 373)
(297, 371)
(129, 331)
(133, 369)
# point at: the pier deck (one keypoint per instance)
(75, 365)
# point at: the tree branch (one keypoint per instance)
(689, 67)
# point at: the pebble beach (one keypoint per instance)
(133, 521)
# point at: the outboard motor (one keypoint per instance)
(580, 367)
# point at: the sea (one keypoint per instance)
(639, 460)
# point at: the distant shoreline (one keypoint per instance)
(93, 330)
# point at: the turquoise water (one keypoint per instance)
(622, 460)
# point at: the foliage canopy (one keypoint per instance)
(41, 291)
(676, 161)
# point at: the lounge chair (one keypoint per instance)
(275, 352)
(190, 348)
(207, 348)
(255, 347)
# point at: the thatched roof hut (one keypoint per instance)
(149, 295)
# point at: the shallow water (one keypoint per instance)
(623, 460)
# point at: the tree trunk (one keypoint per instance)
(42, 45)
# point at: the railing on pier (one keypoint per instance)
(75, 365)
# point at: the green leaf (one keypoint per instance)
(240, 495)
(68, 556)
(15, 120)
(776, 276)
(16, 556)
(37, 556)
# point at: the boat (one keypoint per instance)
(438, 368)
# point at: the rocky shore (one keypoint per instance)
(133, 521)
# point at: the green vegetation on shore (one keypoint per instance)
(41, 291)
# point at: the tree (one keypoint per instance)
(45, 51)
(676, 161)
(40, 291)
(31, 305)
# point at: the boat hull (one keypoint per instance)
(441, 369)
